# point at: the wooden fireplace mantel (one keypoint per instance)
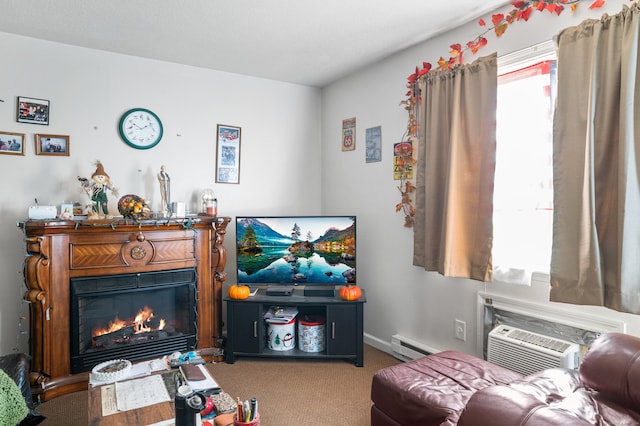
(58, 250)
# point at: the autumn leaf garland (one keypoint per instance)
(405, 162)
(521, 11)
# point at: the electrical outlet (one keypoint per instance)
(460, 330)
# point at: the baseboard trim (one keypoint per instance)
(378, 343)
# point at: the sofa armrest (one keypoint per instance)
(611, 366)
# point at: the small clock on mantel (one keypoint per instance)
(140, 128)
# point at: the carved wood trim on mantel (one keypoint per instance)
(58, 250)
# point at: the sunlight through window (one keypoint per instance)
(523, 198)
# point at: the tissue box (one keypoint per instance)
(43, 212)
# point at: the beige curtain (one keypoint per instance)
(453, 228)
(596, 243)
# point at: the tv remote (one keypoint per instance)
(193, 361)
(177, 359)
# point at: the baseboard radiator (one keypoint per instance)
(526, 352)
(407, 349)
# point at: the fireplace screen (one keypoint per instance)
(132, 316)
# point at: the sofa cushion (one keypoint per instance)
(433, 390)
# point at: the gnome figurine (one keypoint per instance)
(99, 186)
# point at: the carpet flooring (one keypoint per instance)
(289, 391)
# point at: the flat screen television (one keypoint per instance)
(296, 250)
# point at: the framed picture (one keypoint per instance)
(52, 145)
(373, 137)
(66, 211)
(228, 154)
(33, 111)
(12, 143)
(349, 134)
(402, 170)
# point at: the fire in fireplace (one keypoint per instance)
(143, 327)
(132, 316)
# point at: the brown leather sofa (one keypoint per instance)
(450, 388)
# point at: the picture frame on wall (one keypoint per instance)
(52, 145)
(373, 138)
(228, 153)
(33, 111)
(349, 134)
(12, 143)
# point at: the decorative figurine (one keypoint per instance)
(165, 192)
(97, 190)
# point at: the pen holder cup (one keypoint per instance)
(254, 422)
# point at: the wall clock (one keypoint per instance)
(140, 128)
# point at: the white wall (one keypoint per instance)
(89, 90)
(402, 298)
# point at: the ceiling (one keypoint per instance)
(297, 41)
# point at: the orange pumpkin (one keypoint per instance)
(350, 292)
(239, 291)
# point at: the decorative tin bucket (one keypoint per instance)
(281, 337)
(311, 333)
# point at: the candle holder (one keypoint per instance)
(209, 203)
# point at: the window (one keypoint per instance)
(523, 197)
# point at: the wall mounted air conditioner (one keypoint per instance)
(526, 352)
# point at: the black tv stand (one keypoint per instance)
(344, 333)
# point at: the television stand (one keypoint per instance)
(247, 330)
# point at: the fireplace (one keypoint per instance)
(60, 251)
(132, 316)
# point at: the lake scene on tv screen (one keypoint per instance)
(296, 250)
